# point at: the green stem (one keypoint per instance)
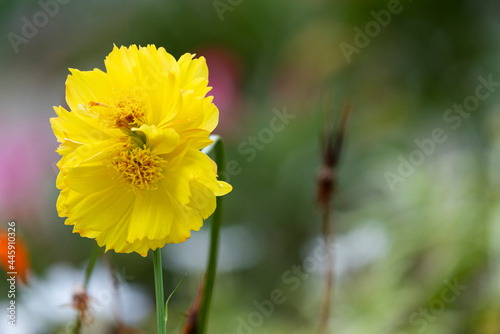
(219, 157)
(160, 302)
(90, 267)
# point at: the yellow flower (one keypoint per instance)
(132, 175)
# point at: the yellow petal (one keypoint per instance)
(181, 171)
(160, 141)
(76, 127)
(97, 211)
(225, 188)
(86, 170)
(152, 216)
(121, 64)
(202, 200)
(86, 86)
(187, 220)
(115, 236)
(192, 68)
(197, 138)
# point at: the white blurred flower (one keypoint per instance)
(352, 250)
(47, 302)
(238, 249)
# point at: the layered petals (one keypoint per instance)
(132, 175)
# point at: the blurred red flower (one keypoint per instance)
(14, 254)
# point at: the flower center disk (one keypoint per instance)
(125, 112)
(140, 168)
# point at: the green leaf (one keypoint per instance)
(171, 294)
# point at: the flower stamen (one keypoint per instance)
(139, 167)
(125, 112)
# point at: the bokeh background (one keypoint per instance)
(418, 255)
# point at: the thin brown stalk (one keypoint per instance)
(328, 285)
(190, 327)
(327, 184)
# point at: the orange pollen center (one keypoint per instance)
(140, 168)
(126, 112)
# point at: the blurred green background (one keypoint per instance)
(417, 251)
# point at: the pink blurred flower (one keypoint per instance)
(224, 77)
(23, 168)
